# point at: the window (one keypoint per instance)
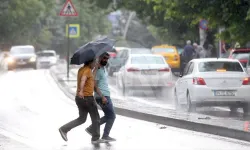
(22, 50)
(191, 68)
(125, 54)
(147, 60)
(140, 51)
(217, 65)
(119, 54)
(163, 50)
(45, 54)
(186, 69)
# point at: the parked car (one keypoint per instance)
(122, 55)
(144, 71)
(22, 57)
(213, 82)
(46, 58)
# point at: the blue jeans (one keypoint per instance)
(109, 115)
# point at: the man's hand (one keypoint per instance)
(104, 100)
(97, 65)
(81, 95)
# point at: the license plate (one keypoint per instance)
(148, 72)
(224, 93)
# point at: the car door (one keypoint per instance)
(187, 80)
(181, 84)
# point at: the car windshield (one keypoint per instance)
(163, 50)
(180, 50)
(140, 51)
(45, 54)
(219, 65)
(22, 50)
(147, 60)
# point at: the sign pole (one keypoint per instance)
(69, 10)
(68, 49)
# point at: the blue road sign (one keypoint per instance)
(203, 24)
(74, 30)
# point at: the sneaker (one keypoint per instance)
(63, 134)
(97, 141)
(108, 139)
(88, 130)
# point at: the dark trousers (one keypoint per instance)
(85, 106)
(109, 115)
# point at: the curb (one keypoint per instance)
(177, 123)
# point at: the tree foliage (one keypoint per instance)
(37, 22)
(181, 17)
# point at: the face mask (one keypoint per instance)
(103, 63)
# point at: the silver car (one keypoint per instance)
(213, 82)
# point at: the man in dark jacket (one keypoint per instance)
(187, 55)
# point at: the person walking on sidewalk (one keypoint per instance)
(102, 95)
(85, 102)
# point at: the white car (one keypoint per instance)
(213, 82)
(144, 71)
(46, 58)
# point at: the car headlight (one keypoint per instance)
(33, 59)
(10, 60)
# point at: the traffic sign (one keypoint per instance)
(73, 30)
(68, 9)
(203, 24)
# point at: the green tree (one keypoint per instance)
(181, 17)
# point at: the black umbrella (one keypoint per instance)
(92, 50)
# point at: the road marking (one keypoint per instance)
(22, 140)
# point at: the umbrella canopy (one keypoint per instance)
(92, 50)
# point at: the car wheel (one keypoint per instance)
(158, 92)
(246, 109)
(177, 74)
(118, 85)
(190, 107)
(176, 102)
(124, 89)
(34, 67)
(233, 109)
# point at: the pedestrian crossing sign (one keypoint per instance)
(68, 9)
(73, 30)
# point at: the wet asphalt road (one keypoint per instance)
(166, 99)
(32, 108)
